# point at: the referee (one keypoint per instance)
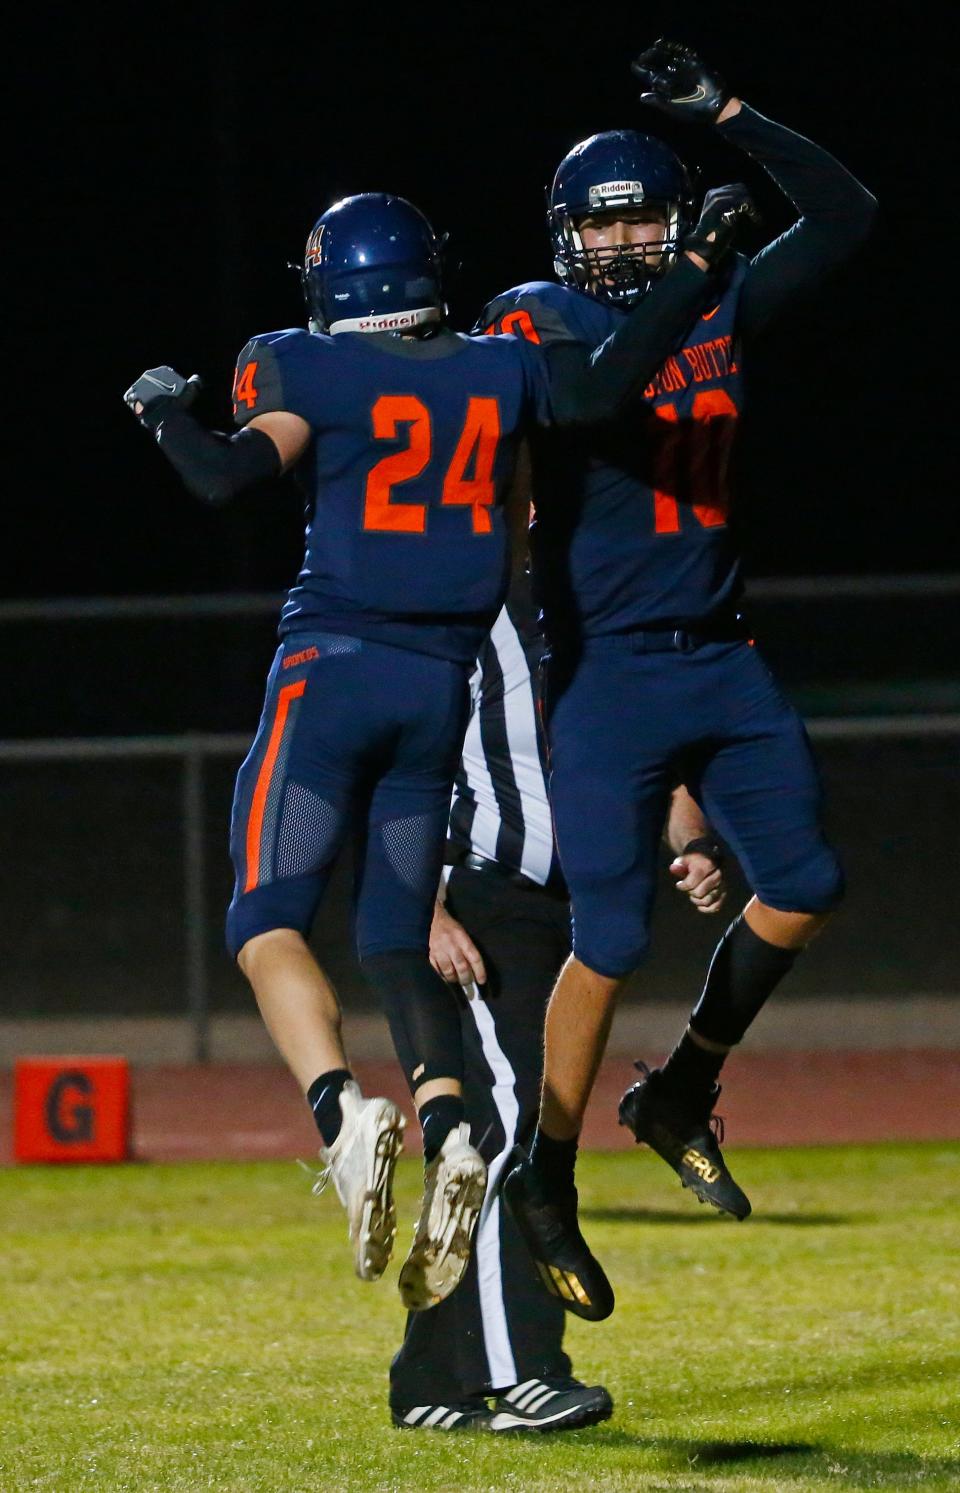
(502, 931)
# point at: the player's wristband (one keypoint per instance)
(705, 845)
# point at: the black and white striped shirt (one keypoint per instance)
(500, 809)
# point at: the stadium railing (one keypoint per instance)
(194, 750)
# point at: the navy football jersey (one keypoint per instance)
(414, 446)
(631, 516)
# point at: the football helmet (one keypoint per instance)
(626, 170)
(372, 264)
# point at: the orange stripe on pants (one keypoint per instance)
(255, 822)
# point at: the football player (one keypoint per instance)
(404, 435)
(639, 577)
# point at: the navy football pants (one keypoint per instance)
(623, 725)
(355, 737)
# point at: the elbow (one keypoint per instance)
(864, 219)
(846, 230)
(569, 417)
(585, 408)
(219, 492)
(215, 489)
(861, 220)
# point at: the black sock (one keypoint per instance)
(691, 1067)
(744, 971)
(437, 1118)
(553, 1161)
(323, 1097)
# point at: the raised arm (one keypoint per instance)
(835, 211)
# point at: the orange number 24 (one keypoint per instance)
(475, 455)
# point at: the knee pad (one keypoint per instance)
(610, 939)
(815, 885)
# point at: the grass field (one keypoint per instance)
(199, 1327)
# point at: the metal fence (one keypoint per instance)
(192, 755)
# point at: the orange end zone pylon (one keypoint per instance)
(71, 1109)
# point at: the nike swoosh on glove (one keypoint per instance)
(678, 83)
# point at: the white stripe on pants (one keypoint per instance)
(493, 1312)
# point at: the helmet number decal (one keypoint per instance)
(244, 388)
(470, 477)
(692, 461)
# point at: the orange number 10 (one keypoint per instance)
(694, 455)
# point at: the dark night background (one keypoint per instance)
(176, 158)
(170, 160)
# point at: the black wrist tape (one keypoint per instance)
(705, 845)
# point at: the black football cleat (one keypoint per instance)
(552, 1235)
(561, 1404)
(685, 1132)
(470, 1414)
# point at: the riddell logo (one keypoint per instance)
(303, 657)
(388, 323)
(606, 189)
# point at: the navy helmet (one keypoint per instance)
(372, 264)
(619, 169)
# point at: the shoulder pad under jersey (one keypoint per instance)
(271, 371)
(540, 310)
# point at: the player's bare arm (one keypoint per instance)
(697, 866)
(289, 433)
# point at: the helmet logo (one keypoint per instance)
(388, 321)
(615, 189)
(312, 256)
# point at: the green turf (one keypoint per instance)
(196, 1327)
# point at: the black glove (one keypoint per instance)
(158, 391)
(677, 83)
(724, 209)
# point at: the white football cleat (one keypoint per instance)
(361, 1162)
(454, 1183)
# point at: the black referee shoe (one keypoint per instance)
(552, 1235)
(685, 1132)
(471, 1414)
(550, 1405)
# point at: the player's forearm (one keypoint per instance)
(685, 821)
(590, 388)
(836, 214)
(822, 191)
(214, 466)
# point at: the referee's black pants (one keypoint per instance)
(500, 1327)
